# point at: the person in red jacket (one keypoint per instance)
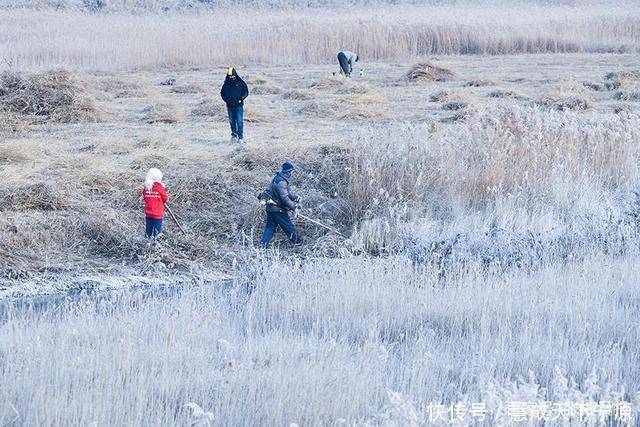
(154, 196)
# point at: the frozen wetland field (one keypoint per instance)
(491, 205)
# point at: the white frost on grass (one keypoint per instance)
(334, 334)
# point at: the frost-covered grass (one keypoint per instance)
(498, 188)
(247, 35)
(504, 267)
(315, 342)
(507, 174)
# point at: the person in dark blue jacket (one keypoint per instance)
(234, 91)
(282, 199)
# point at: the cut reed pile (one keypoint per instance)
(328, 83)
(507, 93)
(210, 109)
(316, 109)
(162, 112)
(426, 71)
(123, 89)
(298, 95)
(629, 91)
(439, 96)
(263, 86)
(186, 89)
(40, 196)
(55, 96)
(569, 96)
(479, 83)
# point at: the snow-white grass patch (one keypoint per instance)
(297, 342)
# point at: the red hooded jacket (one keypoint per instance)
(154, 201)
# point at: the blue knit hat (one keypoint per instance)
(287, 167)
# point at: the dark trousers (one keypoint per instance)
(275, 219)
(345, 67)
(236, 117)
(154, 227)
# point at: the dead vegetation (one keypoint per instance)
(426, 71)
(315, 109)
(365, 100)
(253, 115)
(328, 83)
(212, 110)
(186, 89)
(457, 117)
(263, 86)
(12, 152)
(162, 113)
(298, 95)
(627, 95)
(37, 196)
(623, 75)
(12, 122)
(54, 96)
(439, 96)
(451, 100)
(507, 93)
(560, 101)
(194, 181)
(363, 114)
(569, 96)
(602, 87)
(352, 88)
(123, 89)
(629, 91)
(479, 83)
(455, 105)
(622, 108)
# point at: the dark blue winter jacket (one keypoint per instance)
(234, 91)
(282, 194)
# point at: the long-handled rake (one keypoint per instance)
(173, 217)
(320, 224)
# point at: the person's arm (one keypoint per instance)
(293, 195)
(245, 92)
(352, 59)
(284, 196)
(224, 98)
(163, 193)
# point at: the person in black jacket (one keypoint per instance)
(282, 200)
(234, 91)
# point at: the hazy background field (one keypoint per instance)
(490, 200)
(116, 39)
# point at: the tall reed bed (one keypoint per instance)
(514, 170)
(242, 35)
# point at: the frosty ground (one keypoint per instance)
(492, 255)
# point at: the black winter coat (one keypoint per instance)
(282, 194)
(234, 91)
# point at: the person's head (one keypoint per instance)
(287, 168)
(231, 73)
(154, 175)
